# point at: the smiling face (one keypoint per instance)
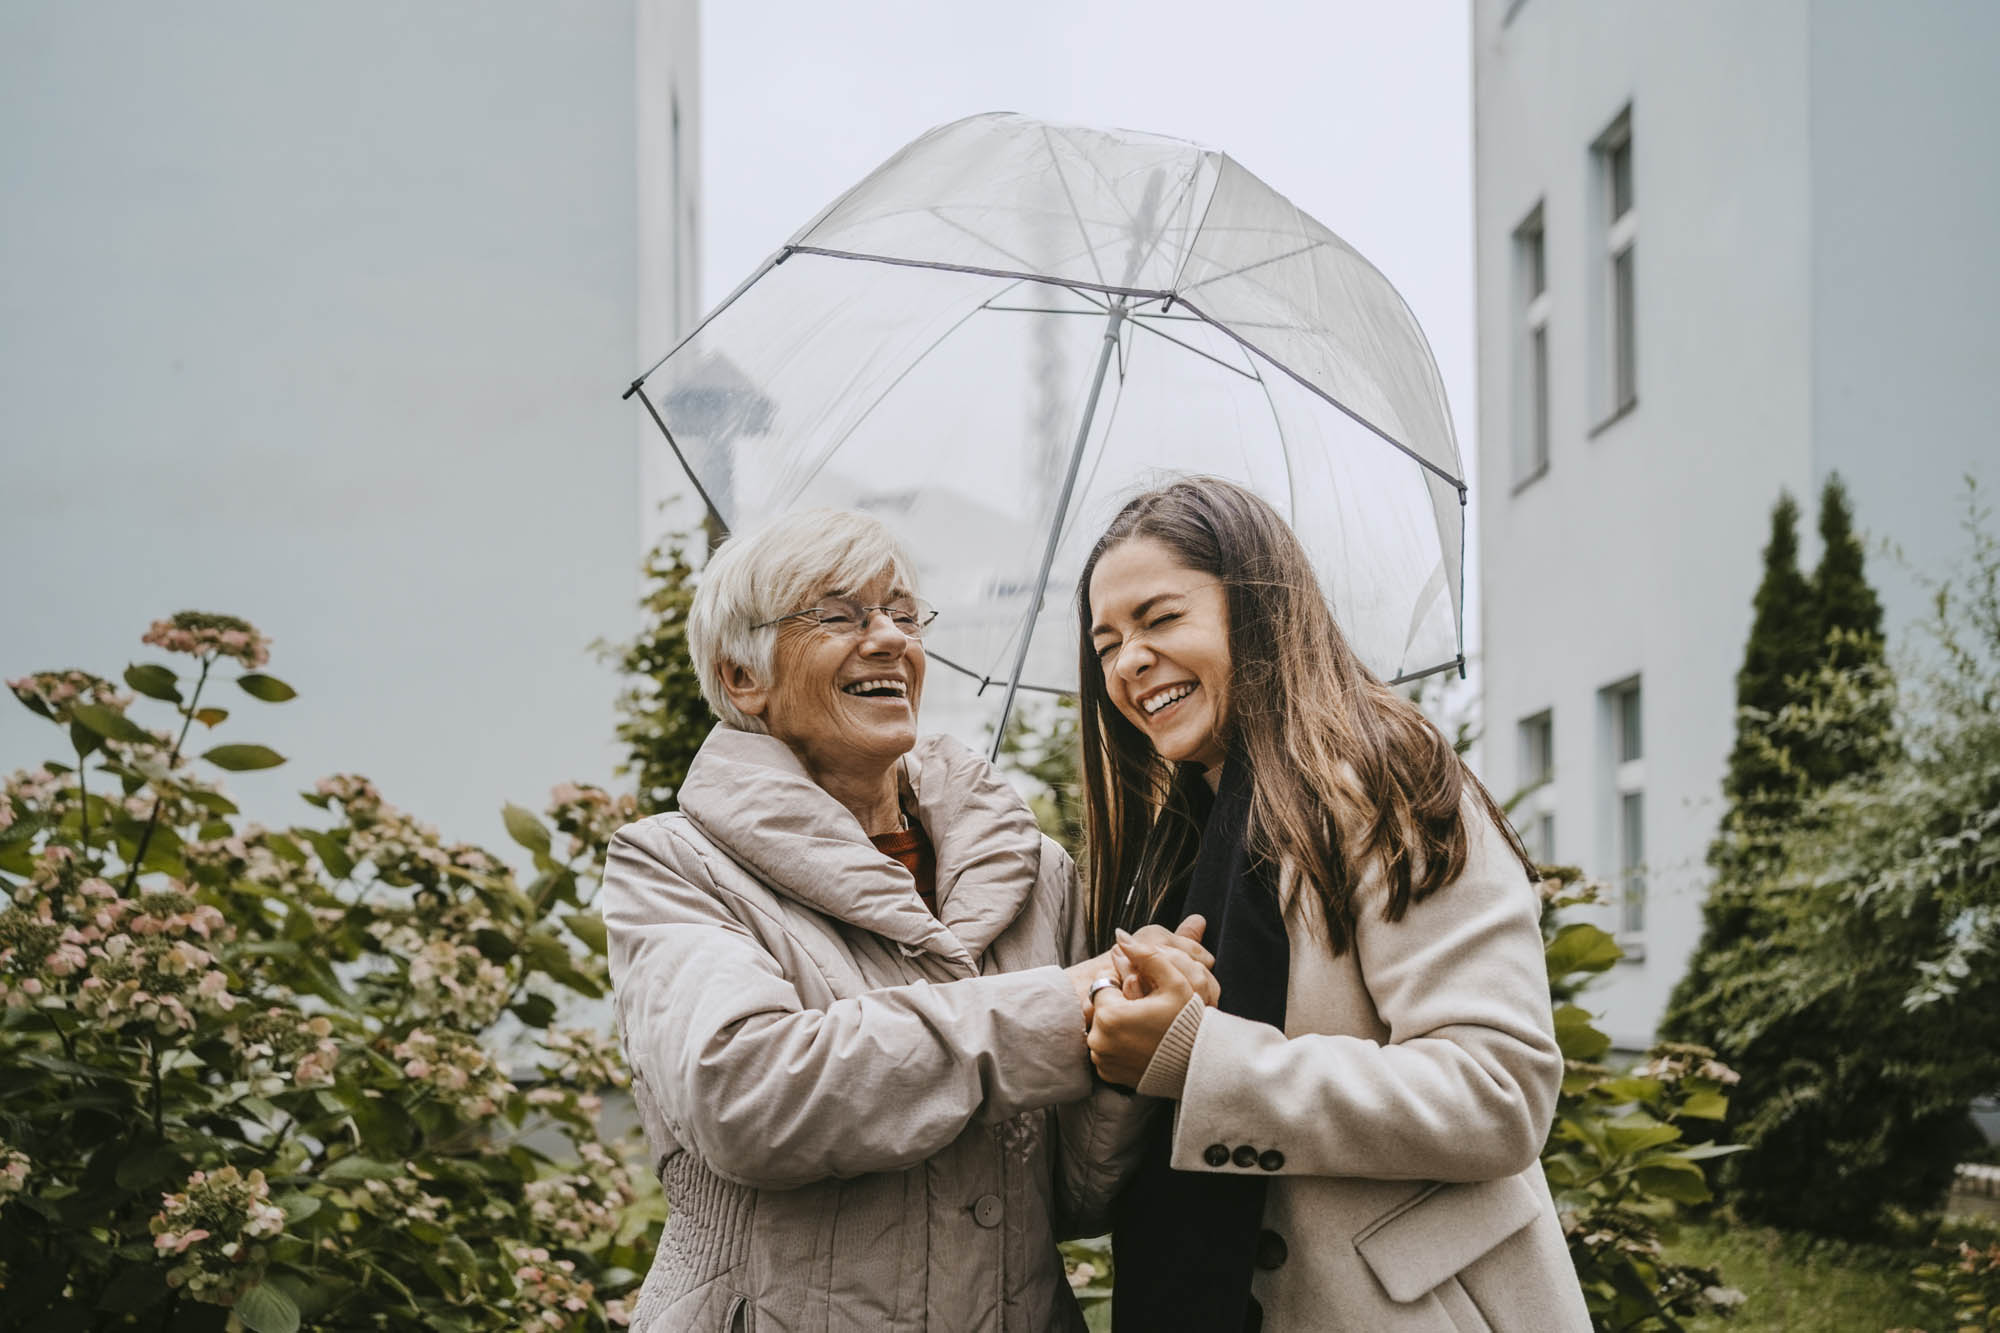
(1161, 634)
(841, 702)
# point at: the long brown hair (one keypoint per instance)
(1346, 772)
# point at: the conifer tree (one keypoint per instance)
(1849, 638)
(1763, 783)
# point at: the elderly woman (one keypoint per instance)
(841, 982)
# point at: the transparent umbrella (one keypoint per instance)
(1010, 327)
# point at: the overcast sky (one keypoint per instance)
(1360, 113)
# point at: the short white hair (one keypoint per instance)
(781, 567)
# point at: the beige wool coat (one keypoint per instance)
(865, 1117)
(1398, 1117)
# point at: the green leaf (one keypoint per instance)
(363, 1168)
(1628, 1140)
(1630, 1089)
(1704, 1152)
(111, 724)
(525, 829)
(331, 854)
(154, 681)
(1577, 1037)
(588, 927)
(297, 1206)
(239, 758)
(268, 688)
(85, 741)
(1706, 1106)
(537, 1011)
(1581, 947)
(211, 717)
(265, 1308)
(214, 802)
(1680, 1181)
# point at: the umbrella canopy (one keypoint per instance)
(1010, 327)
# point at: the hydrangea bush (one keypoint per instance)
(268, 1079)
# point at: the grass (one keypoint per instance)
(1794, 1281)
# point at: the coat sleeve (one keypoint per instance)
(1100, 1138)
(1465, 1086)
(774, 1095)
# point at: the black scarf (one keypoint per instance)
(1184, 1241)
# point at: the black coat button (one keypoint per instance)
(1253, 1318)
(1272, 1160)
(1246, 1156)
(1215, 1154)
(1271, 1250)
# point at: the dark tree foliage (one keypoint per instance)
(662, 717)
(1850, 638)
(1862, 1004)
(1784, 644)
(1762, 785)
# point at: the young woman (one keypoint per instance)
(1357, 1120)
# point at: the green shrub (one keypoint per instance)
(1865, 1009)
(1616, 1160)
(311, 1077)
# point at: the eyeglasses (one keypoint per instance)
(844, 616)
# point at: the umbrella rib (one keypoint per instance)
(769, 263)
(1234, 370)
(1044, 309)
(935, 211)
(976, 270)
(986, 681)
(675, 445)
(1284, 447)
(1262, 263)
(1076, 214)
(826, 456)
(1201, 227)
(1457, 663)
(1349, 412)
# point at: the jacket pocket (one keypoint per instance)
(1422, 1243)
(738, 1319)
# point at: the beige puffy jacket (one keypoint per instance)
(865, 1117)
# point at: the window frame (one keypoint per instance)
(1615, 301)
(1533, 393)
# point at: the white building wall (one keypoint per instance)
(1636, 553)
(1906, 275)
(319, 315)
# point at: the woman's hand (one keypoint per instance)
(1186, 938)
(1124, 1032)
(1116, 965)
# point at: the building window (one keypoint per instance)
(1618, 304)
(1632, 862)
(1531, 377)
(1537, 770)
(1624, 717)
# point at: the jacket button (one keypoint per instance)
(1271, 1250)
(1216, 1154)
(1253, 1318)
(1246, 1156)
(988, 1211)
(1272, 1160)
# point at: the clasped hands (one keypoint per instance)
(1156, 972)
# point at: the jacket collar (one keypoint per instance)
(749, 795)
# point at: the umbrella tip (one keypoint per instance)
(631, 389)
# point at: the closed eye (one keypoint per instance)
(1104, 650)
(1166, 619)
